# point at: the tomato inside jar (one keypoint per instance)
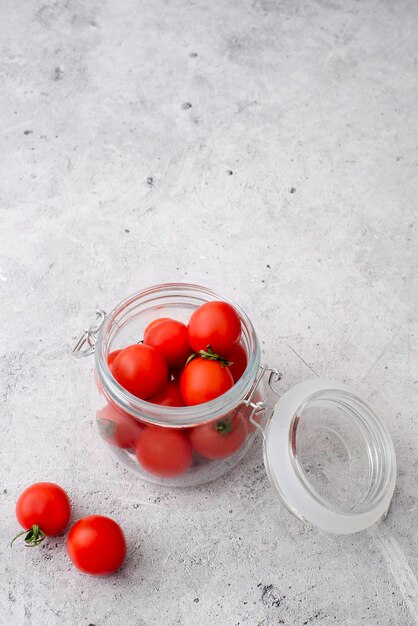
(175, 367)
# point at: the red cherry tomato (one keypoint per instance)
(112, 356)
(96, 545)
(164, 452)
(216, 324)
(117, 427)
(203, 380)
(239, 362)
(169, 396)
(156, 321)
(141, 370)
(169, 337)
(219, 439)
(45, 509)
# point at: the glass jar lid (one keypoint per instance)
(329, 458)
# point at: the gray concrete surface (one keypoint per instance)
(290, 183)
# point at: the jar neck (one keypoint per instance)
(169, 296)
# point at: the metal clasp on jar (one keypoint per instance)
(85, 346)
(273, 377)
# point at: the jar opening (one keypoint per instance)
(340, 452)
(125, 325)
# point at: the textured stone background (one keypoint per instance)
(290, 184)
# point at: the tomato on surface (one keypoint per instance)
(170, 338)
(169, 396)
(214, 324)
(221, 438)
(112, 356)
(117, 427)
(203, 380)
(238, 360)
(45, 509)
(96, 545)
(164, 452)
(141, 370)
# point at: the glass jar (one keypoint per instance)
(120, 416)
(328, 457)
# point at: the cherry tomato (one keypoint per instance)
(216, 324)
(203, 380)
(112, 356)
(169, 396)
(169, 337)
(164, 452)
(45, 509)
(141, 370)
(219, 439)
(117, 427)
(156, 321)
(96, 545)
(239, 362)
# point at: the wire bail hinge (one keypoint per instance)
(257, 407)
(86, 344)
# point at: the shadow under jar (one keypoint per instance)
(121, 417)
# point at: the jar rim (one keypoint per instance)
(166, 415)
(374, 437)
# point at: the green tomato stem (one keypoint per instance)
(34, 536)
(191, 357)
(223, 427)
(210, 355)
